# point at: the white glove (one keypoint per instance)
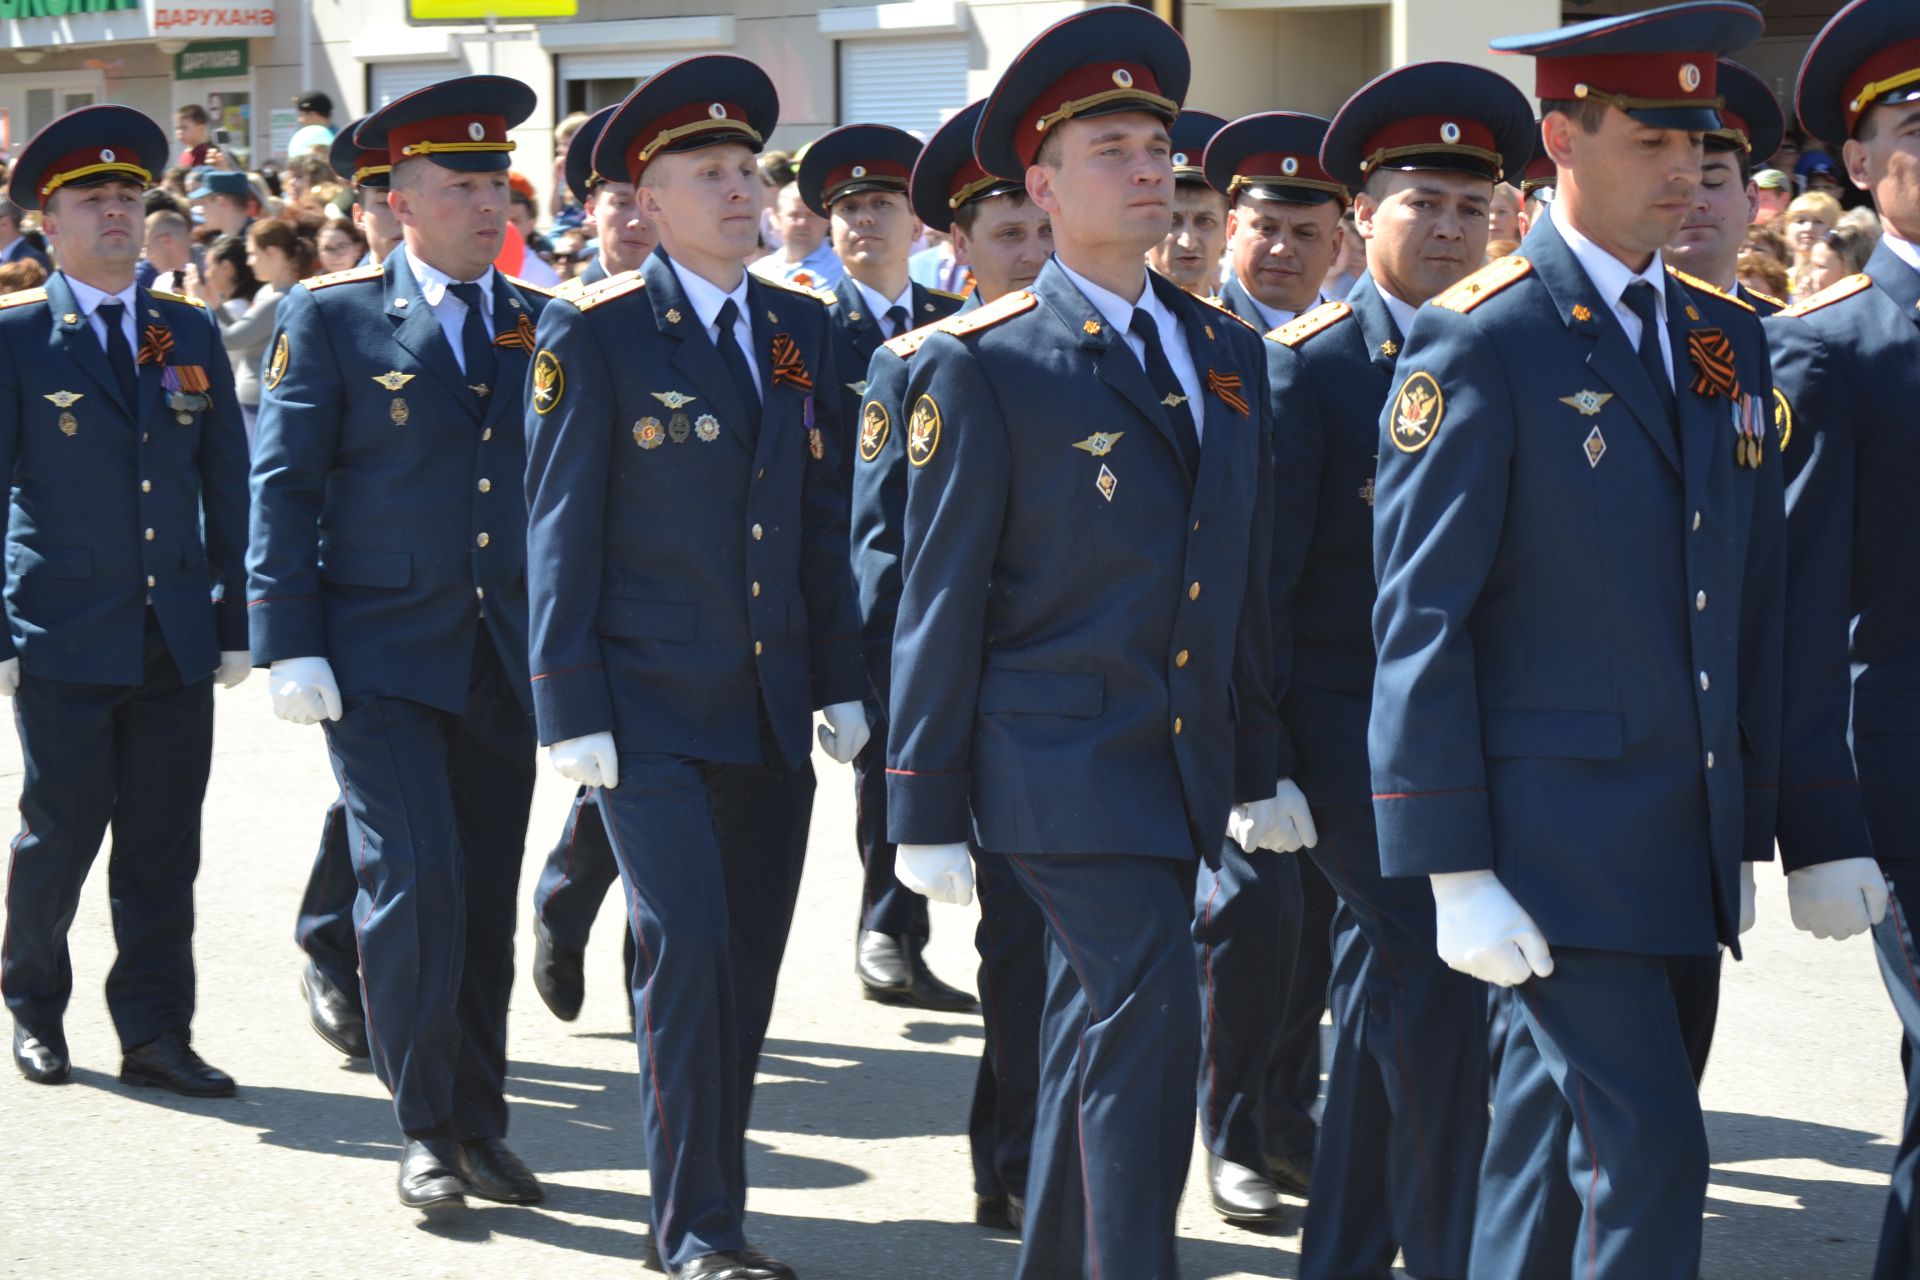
(940, 872)
(1837, 899)
(591, 760)
(845, 731)
(235, 665)
(1747, 914)
(9, 677)
(1283, 823)
(303, 690)
(1484, 933)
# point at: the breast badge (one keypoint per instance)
(1106, 482)
(706, 428)
(679, 428)
(277, 368)
(649, 434)
(673, 399)
(398, 411)
(923, 431)
(393, 379)
(69, 425)
(66, 399)
(1417, 411)
(1587, 403)
(1595, 447)
(875, 425)
(1100, 443)
(549, 382)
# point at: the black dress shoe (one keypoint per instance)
(893, 971)
(170, 1063)
(494, 1173)
(746, 1264)
(335, 1016)
(38, 1060)
(999, 1213)
(559, 974)
(1292, 1174)
(1241, 1194)
(428, 1181)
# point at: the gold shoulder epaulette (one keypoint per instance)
(570, 288)
(1695, 282)
(1833, 293)
(530, 287)
(1004, 307)
(178, 297)
(21, 297)
(1483, 284)
(607, 290)
(827, 296)
(1768, 298)
(1301, 327)
(372, 271)
(909, 342)
(943, 293)
(1225, 310)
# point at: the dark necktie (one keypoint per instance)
(733, 357)
(476, 343)
(896, 321)
(1166, 388)
(1640, 300)
(120, 355)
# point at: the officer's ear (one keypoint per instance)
(1365, 207)
(1040, 189)
(1854, 156)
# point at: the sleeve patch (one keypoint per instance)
(1483, 284)
(277, 369)
(1782, 418)
(876, 424)
(1417, 410)
(549, 382)
(923, 431)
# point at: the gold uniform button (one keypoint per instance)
(757, 648)
(1193, 592)
(1704, 682)
(756, 533)
(150, 580)
(1196, 526)
(479, 593)
(1700, 601)
(1696, 522)
(149, 535)
(756, 589)
(1709, 759)
(483, 539)
(1176, 725)
(487, 434)
(1180, 658)
(486, 486)
(146, 486)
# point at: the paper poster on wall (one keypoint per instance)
(281, 122)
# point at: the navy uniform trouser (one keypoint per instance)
(710, 855)
(437, 821)
(886, 905)
(1262, 937)
(1011, 940)
(1405, 1123)
(133, 759)
(1113, 1131)
(576, 876)
(1528, 1205)
(1620, 1127)
(324, 927)
(1894, 942)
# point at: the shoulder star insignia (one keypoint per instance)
(674, 399)
(1389, 348)
(1100, 443)
(393, 379)
(66, 399)
(1587, 402)
(673, 315)
(1091, 326)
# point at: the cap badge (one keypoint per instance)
(1689, 77)
(106, 155)
(1290, 166)
(476, 131)
(1123, 78)
(1449, 132)
(717, 110)
(859, 171)
(1180, 157)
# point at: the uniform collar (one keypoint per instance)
(1609, 275)
(705, 297)
(1277, 316)
(878, 306)
(1116, 310)
(88, 298)
(1906, 250)
(1401, 311)
(433, 282)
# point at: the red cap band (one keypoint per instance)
(1270, 167)
(719, 118)
(1426, 135)
(1099, 84)
(868, 171)
(1677, 79)
(448, 134)
(1891, 68)
(89, 162)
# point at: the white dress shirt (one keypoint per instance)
(1611, 277)
(88, 299)
(1907, 251)
(1277, 316)
(879, 307)
(707, 298)
(447, 307)
(1401, 311)
(1118, 312)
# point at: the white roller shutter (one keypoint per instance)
(628, 64)
(389, 80)
(914, 85)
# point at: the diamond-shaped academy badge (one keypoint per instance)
(1106, 482)
(1596, 447)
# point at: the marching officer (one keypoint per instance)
(1578, 764)
(1847, 365)
(1262, 925)
(1284, 228)
(692, 604)
(330, 980)
(856, 178)
(122, 445)
(1005, 239)
(580, 869)
(386, 591)
(366, 171)
(1421, 148)
(1082, 645)
(1190, 255)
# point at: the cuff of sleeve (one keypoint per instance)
(1262, 756)
(1762, 813)
(929, 808)
(839, 668)
(1426, 833)
(572, 703)
(1822, 822)
(285, 627)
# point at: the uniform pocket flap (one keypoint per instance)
(1577, 735)
(1042, 693)
(53, 562)
(1884, 712)
(651, 619)
(355, 568)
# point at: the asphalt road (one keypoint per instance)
(858, 1157)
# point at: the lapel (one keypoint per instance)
(863, 327)
(1237, 300)
(74, 338)
(1219, 423)
(1705, 421)
(510, 371)
(773, 310)
(417, 329)
(1610, 358)
(694, 356)
(1896, 279)
(152, 398)
(1377, 329)
(1113, 360)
